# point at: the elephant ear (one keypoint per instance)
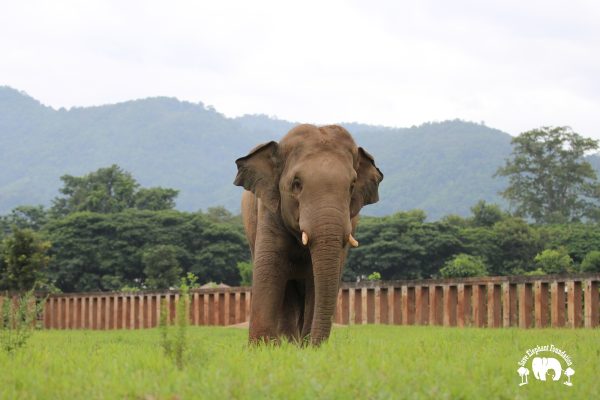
(366, 188)
(257, 172)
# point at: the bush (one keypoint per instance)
(535, 272)
(463, 266)
(175, 345)
(554, 261)
(245, 269)
(591, 262)
(17, 320)
(375, 276)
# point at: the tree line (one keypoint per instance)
(106, 232)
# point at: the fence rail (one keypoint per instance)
(494, 302)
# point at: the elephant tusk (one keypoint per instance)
(304, 238)
(352, 241)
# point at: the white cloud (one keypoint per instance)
(515, 65)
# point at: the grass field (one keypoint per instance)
(359, 362)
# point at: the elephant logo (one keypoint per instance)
(546, 368)
(542, 365)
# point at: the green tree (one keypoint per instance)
(516, 244)
(221, 214)
(463, 266)
(554, 261)
(591, 262)
(217, 260)
(106, 190)
(23, 260)
(161, 267)
(109, 190)
(32, 217)
(549, 180)
(485, 214)
(155, 198)
(507, 248)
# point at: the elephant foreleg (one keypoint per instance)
(269, 276)
(265, 309)
(292, 313)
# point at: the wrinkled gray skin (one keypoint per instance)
(315, 180)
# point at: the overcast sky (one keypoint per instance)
(515, 65)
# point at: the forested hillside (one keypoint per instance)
(441, 168)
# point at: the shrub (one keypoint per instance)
(17, 320)
(175, 345)
(591, 262)
(463, 266)
(535, 272)
(554, 261)
(245, 269)
(375, 276)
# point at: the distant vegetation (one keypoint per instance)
(85, 248)
(108, 231)
(441, 168)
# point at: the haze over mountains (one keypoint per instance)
(442, 168)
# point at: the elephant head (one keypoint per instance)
(314, 183)
(541, 366)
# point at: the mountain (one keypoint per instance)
(443, 167)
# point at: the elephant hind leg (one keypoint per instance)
(292, 314)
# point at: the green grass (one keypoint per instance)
(361, 362)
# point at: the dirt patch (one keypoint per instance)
(241, 325)
(244, 325)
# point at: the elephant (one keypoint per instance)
(541, 365)
(300, 211)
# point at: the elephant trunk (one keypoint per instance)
(327, 242)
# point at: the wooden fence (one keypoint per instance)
(494, 302)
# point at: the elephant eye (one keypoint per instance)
(296, 185)
(352, 186)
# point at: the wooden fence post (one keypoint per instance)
(381, 306)
(421, 305)
(408, 305)
(525, 301)
(370, 317)
(450, 300)
(436, 305)
(479, 305)
(574, 294)
(509, 304)
(464, 301)
(494, 305)
(351, 306)
(557, 312)
(541, 304)
(591, 303)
